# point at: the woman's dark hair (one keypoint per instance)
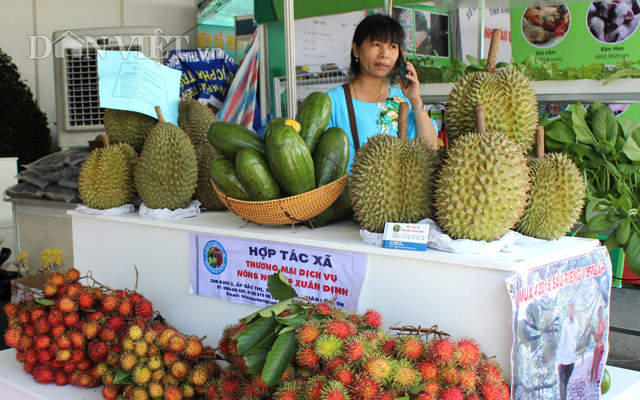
(377, 27)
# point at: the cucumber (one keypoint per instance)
(331, 156)
(341, 208)
(230, 138)
(223, 173)
(280, 121)
(290, 160)
(254, 174)
(313, 115)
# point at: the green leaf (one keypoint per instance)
(543, 121)
(254, 333)
(623, 232)
(611, 243)
(633, 253)
(557, 130)
(122, 377)
(268, 311)
(627, 125)
(402, 398)
(631, 147)
(599, 223)
(287, 329)
(294, 320)
(623, 73)
(603, 149)
(604, 124)
(279, 358)
(258, 355)
(613, 170)
(629, 169)
(280, 288)
(592, 202)
(583, 150)
(44, 302)
(580, 127)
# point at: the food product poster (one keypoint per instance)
(405, 17)
(431, 33)
(494, 18)
(560, 328)
(572, 34)
(206, 74)
(237, 270)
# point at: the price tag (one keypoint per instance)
(405, 236)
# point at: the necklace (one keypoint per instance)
(355, 91)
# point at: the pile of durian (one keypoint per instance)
(485, 184)
(165, 164)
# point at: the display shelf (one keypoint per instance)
(465, 294)
(583, 90)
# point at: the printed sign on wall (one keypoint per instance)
(560, 328)
(237, 270)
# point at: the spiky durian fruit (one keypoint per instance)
(205, 153)
(106, 177)
(128, 127)
(510, 103)
(391, 181)
(167, 170)
(555, 199)
(194, 119)
(482, 187)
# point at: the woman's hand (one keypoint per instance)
(412, 90)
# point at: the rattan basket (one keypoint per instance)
(287, 210)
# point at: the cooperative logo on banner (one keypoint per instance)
(215, 257)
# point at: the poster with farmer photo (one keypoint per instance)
(560, 327)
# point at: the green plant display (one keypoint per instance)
(607, 151)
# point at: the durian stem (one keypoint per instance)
(540, 142)
(403, 123)
(105, 139)
(482, 129)
(493, 50)
(160, 116)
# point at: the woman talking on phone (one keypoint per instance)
(375, 50)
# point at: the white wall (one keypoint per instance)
(23, 18)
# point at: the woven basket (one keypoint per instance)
(287, 210)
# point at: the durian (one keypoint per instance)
(509, 99)
(392, 181)
(106, 177)
(167, 170)
(482, 186)
(205, 153)
(127, 127)
(194, 119)
(555, 199)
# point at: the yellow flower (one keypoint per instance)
(23, 257)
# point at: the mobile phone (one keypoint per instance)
(402, 68)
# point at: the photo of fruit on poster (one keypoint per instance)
(613, 21)
(214, 257)
(545, 26)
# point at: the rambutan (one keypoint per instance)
(90, 330)
(50, 290)
(141, 375)
(187, 391)
(86, 300)
(334, 390)
(491, 390)
(288, 391)
(97, 350)
(173, 393)
(468, 352)
(139, 393)
(229, 384)
(449, 375)
(373, 318)
(44, 356)
(451, 393)
(169, 358)
(199, 375)
(388, 347)
(308, 332)
(165, 336)
(489, 370)
(467, 380)
(29, 330)
(410, 348)
(144, 309)
(77, 339)
(55, 317)
(324, 309)
(24, 343)
(151, 336)
(404, 376)
(42, 326)
(95, 316)
(107, 334)
(28, 368)
(116, 322)
(10, 310)
(42, 341)
(431, 388)
(364, 388)
(428, 370)
(177, 343)
(73, 275)
(69, 367)
(99, 370)
(156, 390)
(110, 392)
(337, 328)
(24, 317)
(343, 375)
(141, 348)
(78, 355)
(354, 349)
(12, 337)
(110, 303)
(43, 374)
(306, 357)
(334, 364)
(328, 347)
(379, 367)
(424, 396)
(441, 351)
(58, 330)
(84, 365)
(179, 369)
(128, 361)
(313, 387)
(71, 319)
(125, 308)
(74, 290)
(57, 279)
(61, 378)
(37, 313)
(85, 380)
(194, 347)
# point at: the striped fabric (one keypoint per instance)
(240, 105)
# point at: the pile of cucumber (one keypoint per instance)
(294, 157)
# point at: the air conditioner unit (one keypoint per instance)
(78, 111)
